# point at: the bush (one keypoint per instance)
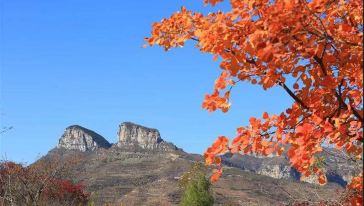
(197, 188)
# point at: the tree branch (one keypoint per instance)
(338, 96)
(297, 99)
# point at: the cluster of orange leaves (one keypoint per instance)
(356, 185)
(317, 44)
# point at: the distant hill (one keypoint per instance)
(143, 169)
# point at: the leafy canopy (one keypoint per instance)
(315, 43)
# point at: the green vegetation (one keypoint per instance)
(196, 187)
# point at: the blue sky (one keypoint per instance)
(82, 62)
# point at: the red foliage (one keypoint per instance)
(62, 189)
(32, 185)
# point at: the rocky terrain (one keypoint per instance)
(133, 136)
(338, 169)
(79, 138)
(143, 169)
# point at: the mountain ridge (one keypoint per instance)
(141, 161)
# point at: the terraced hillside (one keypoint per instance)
(129, 174)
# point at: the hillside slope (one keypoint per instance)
(148, 174)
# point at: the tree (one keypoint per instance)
(196, 187)
(42, 183)
(316, 44)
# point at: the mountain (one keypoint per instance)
(80, 138)
(143, 169)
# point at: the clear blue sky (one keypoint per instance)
(82, 62)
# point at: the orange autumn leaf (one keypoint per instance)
(219, 147)
(212, 2)
(232, 82)
(216, 175)
(322, 179)
(221, 82)
(280, 151)
(268, 151)
(296, 86)
(217, 160)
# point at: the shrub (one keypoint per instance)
(197, 191)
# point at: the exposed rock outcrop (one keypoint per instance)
(79, 138)
(132, 135)
(276, 171)
(338, 168)
(276, 167)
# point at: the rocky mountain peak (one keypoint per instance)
(76, 137)
(131, 134)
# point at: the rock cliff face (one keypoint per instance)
(132, 135)
(276, 167)
(337, 167)
(79, 138)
